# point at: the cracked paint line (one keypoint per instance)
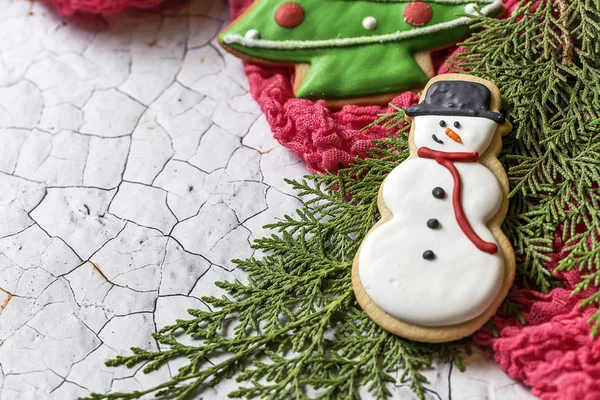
(134, 166)
(5, 298)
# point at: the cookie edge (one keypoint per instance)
(449, 333)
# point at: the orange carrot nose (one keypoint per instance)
(453, 135)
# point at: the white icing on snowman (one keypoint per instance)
(461, 281)
(369, 23)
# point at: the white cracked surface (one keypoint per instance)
(134, 165)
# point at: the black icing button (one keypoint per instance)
(428, 255)
(438, 192)
(433, 223)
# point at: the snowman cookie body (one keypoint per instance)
(437, 265)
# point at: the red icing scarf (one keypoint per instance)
(447, 160)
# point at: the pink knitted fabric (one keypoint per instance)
(325, 140)
(70, 7)
(553, 352)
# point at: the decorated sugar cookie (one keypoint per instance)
(436, 266)
(355, 51)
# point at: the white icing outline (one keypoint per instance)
(390, 37)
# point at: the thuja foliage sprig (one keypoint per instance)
(545, 58)
(295, 327)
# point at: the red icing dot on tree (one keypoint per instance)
(417, 13)
(289, 15)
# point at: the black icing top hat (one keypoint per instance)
(461, 98)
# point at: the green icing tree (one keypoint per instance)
(354, 48)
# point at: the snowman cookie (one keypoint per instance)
(436, 267)
(352, 51)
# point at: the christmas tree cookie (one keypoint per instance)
(436, 266)
(352, 51)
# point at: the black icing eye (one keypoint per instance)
(456, 124)
(442, 123)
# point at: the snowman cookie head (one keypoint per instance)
(455, 116)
